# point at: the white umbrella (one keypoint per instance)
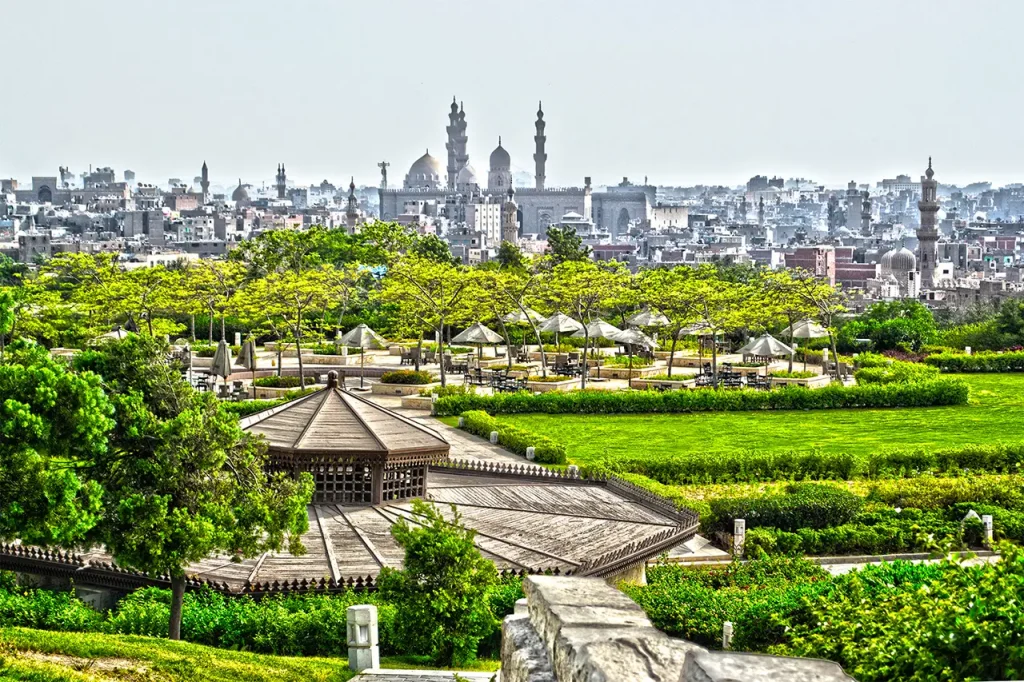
(648, 318)
(634, 337)
(361, 336)
(221, 366)
(598, 329)
(519, 317)
(560, 323)
(805, 329)
(479, 335)
(767, 346)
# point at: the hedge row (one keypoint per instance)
(406, 376)
(750, 466)
(979, 362)
(943, 391)
(284, 381)
(545, 450)
(804, 505)
(896, 372)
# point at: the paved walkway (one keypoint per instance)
(381, 675)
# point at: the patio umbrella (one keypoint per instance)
(479, 335)
(247, 357)
(519, 317)
(560, 323)
(766, 345)
(361, 336)
(634, 337)
(598, 329)
(805, 329)
(221, 361)
(648, 318)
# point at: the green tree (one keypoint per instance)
(719, 306)
(11, 271)
(564, 245)
(181, 480)
(827, 301)
(511, 257)
(667, 291)
(781, 299)
(433, 248)
(442, 589)
(893, 325)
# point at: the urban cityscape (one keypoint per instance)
(534, 342)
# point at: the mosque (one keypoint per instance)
(432, 187)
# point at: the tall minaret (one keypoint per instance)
(540, 158)
(205, 184)
(453, 133)
(928, 233)
(352, 212)
(760, 211)
(865, 214)
(510, 218)
(461, 155)
(282, 181)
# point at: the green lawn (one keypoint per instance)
(996, 414)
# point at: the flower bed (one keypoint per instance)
(944, 391)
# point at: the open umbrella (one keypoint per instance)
(805, 329)
(519, 317)
(247, 357)
(648, 318)
(634, 337)
(479, 335)
(767, 346)
(221, 361)
(598, 329)
(361, 336)
(560, 323)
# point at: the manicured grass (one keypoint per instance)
(42, 656)
(994, 415)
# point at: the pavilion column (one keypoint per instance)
(377, 495)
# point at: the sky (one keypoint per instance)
(680, 91)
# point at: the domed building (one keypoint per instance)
(901, 263)
(499, 179)
(240, 196)
(466, 182)
(425, 173)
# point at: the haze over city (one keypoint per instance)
(680, 92)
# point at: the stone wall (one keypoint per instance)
(583, 630)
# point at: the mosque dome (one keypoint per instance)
(240, 195)
(426, 170)
(467, 176)
(844, 233)
(900, 260)
(500, 160)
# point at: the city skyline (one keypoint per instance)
(681, 93)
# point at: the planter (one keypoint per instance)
(202, 363)
(336, 360)
(400, 389)
(396, 350)
(697, 361)
(626, 373)
(820, 381)
(417, 402)
(673, 385)
(266, 393)
(272, 345)
(548, 386)
(747, 371)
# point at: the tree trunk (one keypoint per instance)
(672, 352)
(211, 326)
(440, 350)
(192, 326)
(419, 352)
(177, 599)
(298, 351)
(540, 346)
(222, 336)
(280, 353)
(714, 361)
(791, 323)
(835, 353)
(586, 365)
(149, 323)
(508, 341)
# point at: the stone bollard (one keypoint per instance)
(363, 649)
(986, 520)
(238, 338)
(727, 635)
(531, 453)
(967, 350)
(521, 608)
(462, 422)
(572, 471)
(739, 535)
(494, 437)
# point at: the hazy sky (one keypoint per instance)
(683, 91)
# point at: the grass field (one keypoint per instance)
(994, 415)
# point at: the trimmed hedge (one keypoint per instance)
(406, 376)
(1012, 361)
(896, 372)
(942, 391)
(284, 381)
(804, 505)
(545, 450)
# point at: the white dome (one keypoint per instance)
(467, 176)
(900, 260)
(426, 170)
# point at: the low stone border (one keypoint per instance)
(400, 389)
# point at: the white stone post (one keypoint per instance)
(727, 635)
(521, 608)
(967, 350)
(494, 437)
(531, 453)
(344, 350)
(363, 649)
(573, 471)
(739, 535)
(462, 422)
(986, 520)
(238, 338)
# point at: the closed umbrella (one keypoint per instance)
(479, 335)
(598, 329)
(247, 357)
(221, 361)
(634, 337)
(361, 336)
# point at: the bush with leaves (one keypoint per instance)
(442, 589)
(406, 376)
(545, 450)
(803, 505)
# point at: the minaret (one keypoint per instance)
(282, 181)
(928, 233)
(205, 184)
(453, 133)
(760, 211)
(865, 214)
(510, 218)
(540, 158)
(461, 155)
(352, 212)
(742, 217)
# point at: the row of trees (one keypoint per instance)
(291, 285)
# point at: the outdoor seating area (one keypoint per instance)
(496, 379)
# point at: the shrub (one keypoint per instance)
(783, 374)
(942, 391)
(406, 376)
(331, 349)
(442, 391)
(546, 451)
(47, 610)
(804, 505)
(551, 378)
(623, 361)
(284, 381)
(1012, 361)
(926, 492)
(896, 372)
(247, 407)
(210, 351)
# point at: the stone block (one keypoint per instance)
(721, 666)
(523, 656)
(362, 635)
